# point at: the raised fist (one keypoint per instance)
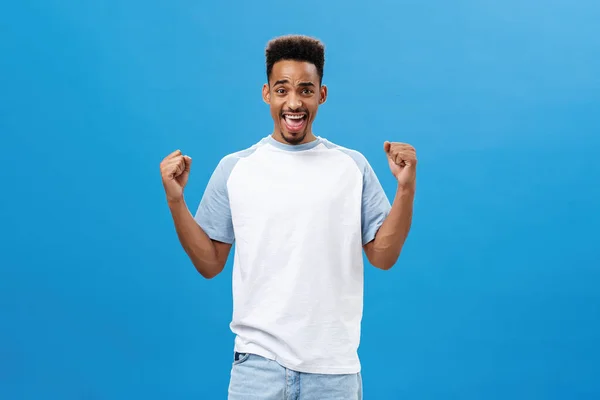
(175, 171)
(402, 158)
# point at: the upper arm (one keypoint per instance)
(375, 209)
(375, 206)
(214, 212)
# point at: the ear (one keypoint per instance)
(323, 93)
(266, 93)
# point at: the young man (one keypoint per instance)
(301, 211)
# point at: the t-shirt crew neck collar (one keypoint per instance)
(293, 147)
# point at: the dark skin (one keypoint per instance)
(294, 87)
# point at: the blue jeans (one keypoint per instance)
(256, 378)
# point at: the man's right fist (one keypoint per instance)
(175, 171)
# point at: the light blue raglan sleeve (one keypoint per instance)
(375, 204)
(214, 213)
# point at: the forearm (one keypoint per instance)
(199, 247)
(386, 247)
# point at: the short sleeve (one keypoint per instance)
(375, 204)
(214, 213)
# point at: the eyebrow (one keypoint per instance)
(285, 81)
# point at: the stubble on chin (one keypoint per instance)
(293, 139)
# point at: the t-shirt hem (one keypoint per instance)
(305, 368)
(218, 238)
(214, 235)
(369, 236)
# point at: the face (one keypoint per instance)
(294, 96)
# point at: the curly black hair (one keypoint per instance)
(296, 48)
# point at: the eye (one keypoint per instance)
(280, 91)
(307, 91)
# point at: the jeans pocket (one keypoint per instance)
(239, 358)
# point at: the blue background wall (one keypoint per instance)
(496, 295)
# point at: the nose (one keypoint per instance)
(294, 102)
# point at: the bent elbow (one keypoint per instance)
(385, 265)
(207, 275)
(209, 272)
(382, 256)
(384, 261)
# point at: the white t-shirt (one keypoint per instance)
(299, 216)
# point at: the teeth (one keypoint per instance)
(294, 116)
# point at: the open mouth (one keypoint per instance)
(294, 122)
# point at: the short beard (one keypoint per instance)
(296, 139)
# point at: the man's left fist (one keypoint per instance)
(402, 158)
